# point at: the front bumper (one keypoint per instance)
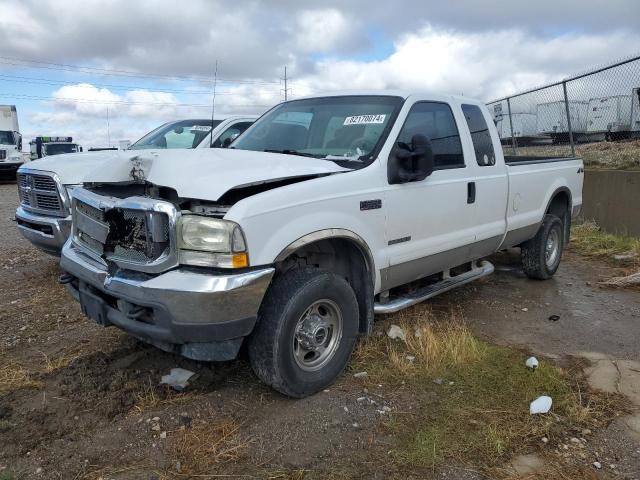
(9, 169)
(198, 315)
(45, 232)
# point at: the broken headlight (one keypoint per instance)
(211, 242)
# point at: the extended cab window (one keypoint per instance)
(435, 120)
(480, 135)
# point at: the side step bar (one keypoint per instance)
(485, 268)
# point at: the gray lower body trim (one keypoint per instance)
(408, 272)
(519, 235)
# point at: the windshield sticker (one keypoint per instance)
(364, 119)
(200, 128)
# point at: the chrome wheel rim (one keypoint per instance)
(552, 248)
(317, 335)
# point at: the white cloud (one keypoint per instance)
(321, 30)
(483, 65)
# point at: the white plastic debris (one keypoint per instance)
(540, 405)
(177, 379)
(360, 375)
(598, 465)
(395, 332)
(532, 362)
(410, 358)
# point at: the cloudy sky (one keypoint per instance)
(70, 66)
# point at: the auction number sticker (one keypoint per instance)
(200, 128)
(364, 119)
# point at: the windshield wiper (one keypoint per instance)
(291, 152)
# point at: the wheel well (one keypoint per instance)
(343, 257)
(560, 206)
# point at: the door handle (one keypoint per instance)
(471, 192)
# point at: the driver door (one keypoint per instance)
(430, 224)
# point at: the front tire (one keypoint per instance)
(541, 255)
(307, 328)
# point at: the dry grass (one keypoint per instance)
(59, 362)
(477, 410)
(623, 155)
(204, 447)
(589, 239)
(15, 377)
(152, 397)
(430, 345)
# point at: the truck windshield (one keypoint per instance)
(59, 148)
(6, 138)
(182, 134)
(347, 128)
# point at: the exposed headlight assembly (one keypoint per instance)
(211, 242)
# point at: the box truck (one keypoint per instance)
(551, 119)
(609, 118)
(10, 141)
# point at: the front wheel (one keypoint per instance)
(306, 331)
(541, 255)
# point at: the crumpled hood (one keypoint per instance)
(73, 167)
(205, 174)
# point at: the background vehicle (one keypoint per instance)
(194, 134)
(10, 142)
(41, 147)
(44, 216)
(325, 211)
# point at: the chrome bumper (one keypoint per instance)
(198, 315)
(46, 233)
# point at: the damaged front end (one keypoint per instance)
(123, 264)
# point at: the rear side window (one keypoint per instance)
(480, 135)
(436, 121)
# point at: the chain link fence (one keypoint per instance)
(594, 115)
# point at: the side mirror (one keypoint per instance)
(410, 163)
(227, 142)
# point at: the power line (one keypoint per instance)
(120, 73)
(45, 81)
(118, 102)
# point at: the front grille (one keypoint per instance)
(39, 193)
(3, 154)
(129, 235)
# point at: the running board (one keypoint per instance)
(485, 268)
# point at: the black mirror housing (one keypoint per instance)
(410, 163)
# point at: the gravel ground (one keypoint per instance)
(98, 413)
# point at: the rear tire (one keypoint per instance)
(307, 328)
(541, 255)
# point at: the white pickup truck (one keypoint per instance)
(44, 214)
(325, 212)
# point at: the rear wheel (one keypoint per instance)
(541, 255)
(306, 331)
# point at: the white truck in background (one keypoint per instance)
(326, 211)
(44, 215)
(46, 146)
(10, 142)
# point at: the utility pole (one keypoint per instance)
(213, 103)
(286, 85)
(108, 131)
